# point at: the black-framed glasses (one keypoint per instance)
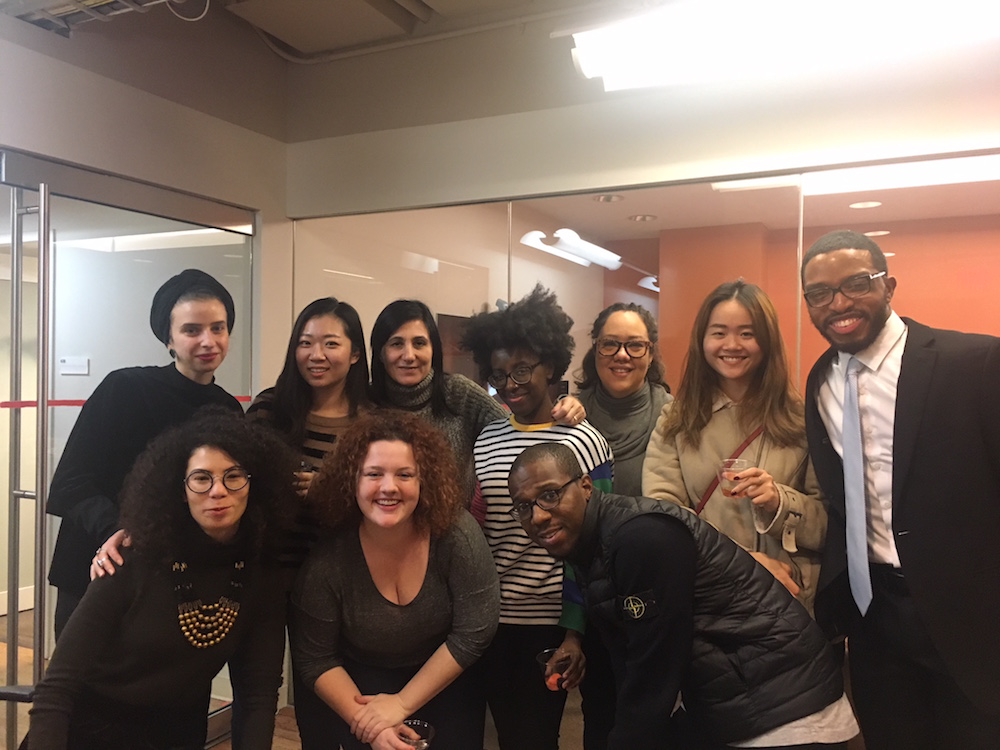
(520, 375)
(854, 287)
(635, 348)
(201, 481)
(546, 500)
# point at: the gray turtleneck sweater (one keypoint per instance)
(626, 423)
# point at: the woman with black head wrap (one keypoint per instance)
(192, 314)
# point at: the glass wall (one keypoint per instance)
(105, 265)
(690, 237)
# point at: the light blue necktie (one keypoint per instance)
(855, 503)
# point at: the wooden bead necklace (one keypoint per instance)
(205, 625)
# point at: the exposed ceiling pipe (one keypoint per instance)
(283, 51)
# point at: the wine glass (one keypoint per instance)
(729, 470)
(416, 733)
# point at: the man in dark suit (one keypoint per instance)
(904, 432)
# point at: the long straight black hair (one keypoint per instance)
(293, 395)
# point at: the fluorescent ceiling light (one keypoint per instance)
(570, 246)
(708, 41)
(534, 239)
(649, 282)
(156, 241)
(907, 175)
(757, 183)
(955, 171)
(348, 273)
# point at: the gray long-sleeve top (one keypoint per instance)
(339, 613)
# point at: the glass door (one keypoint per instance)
(106, 262)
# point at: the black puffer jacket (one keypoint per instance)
(758, 660)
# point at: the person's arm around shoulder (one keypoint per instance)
(84, 642)
(654, 561)
(662, 478)
(470, 400)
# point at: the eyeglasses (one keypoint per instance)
(854, 287)
(520, 375)
(634, 348)
(546, 500)
(201, 481)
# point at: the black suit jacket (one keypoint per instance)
(945, 501)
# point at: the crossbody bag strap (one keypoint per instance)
(736, 454)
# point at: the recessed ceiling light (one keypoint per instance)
(609, 198)
(889, 255)
(877, 233)
(642, 217)
(866, 204)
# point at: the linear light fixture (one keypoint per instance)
(692, 42)
(649, 282)
(570, 246)
(955, 171)
(156, 241)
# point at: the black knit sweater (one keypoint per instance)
(128, 409)
(123, 673)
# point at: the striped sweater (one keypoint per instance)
(531, 581)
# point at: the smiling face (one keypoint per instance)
(407, 354)
(558, 530)
(621, 375)
(199, 337)
(324, 354)
(218, 511)
(850, 325)
(530, 403)
(730, 347)
(388, 484)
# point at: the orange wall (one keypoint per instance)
(948, 273)
(621, 285)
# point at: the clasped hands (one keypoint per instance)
(378, 719)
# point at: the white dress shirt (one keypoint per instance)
(877, 380)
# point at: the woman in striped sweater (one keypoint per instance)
(521, 351)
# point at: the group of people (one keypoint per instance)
(423, 544)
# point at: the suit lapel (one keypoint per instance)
(916, 369)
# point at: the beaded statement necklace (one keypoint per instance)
(205, 625)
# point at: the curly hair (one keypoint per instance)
(535, 323)
(589, 367)
(154, 510)
(771, 400)
(293, 395)
(333, 492)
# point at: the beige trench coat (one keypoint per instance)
(675, 471)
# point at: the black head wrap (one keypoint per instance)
(188, 283)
